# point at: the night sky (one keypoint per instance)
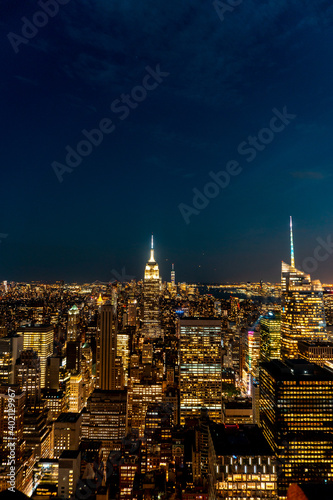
(213, 80)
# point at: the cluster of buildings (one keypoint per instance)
(152, 390)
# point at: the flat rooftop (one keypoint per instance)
(239, 440)
(313, 343)
(68, 417)
(297, 369)
(69, 454)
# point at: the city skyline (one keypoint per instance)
(166, 250)
(310, 264)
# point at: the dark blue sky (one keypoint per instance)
(225, 78)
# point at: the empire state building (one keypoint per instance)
(151, 296)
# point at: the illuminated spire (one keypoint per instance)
(292, 244)
(173, 275)
(152, 258)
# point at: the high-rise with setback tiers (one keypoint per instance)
(303, 314)
(151, 296)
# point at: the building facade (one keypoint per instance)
(296, 407)
(200, 361)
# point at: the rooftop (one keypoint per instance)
(311, 491)
(68, 417)
(239, 440)
(312, 343)
(69, 454)
(297, 369)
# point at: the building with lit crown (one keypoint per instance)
(73, 319)
(151, 295)
(303, 313)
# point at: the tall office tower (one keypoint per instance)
(10, 349)
(296, 407)
(87, 363)
(40, 339)
(151, 295)
(252, 354)
(328, 303)
(173, 276)
(28, 375)
(303, 314)
(106, 347)
(144, 387)
(200, 368)
(131, 312)
(37, 433)
(270, 336)
(76, 393)
(105, 419)
(53, 368)
(67, 432)
(124, 351)
(234, 309)
(157, 445)
(320, 353)
(73, 356)
(73, 319)
(200, 450)
(11, 422)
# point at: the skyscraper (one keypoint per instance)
(107, 346)
(27, 375)
(73, 356)
(105, 419)
(270, 336)
(151, 296)
(40, 339)
(73, 319)
(200, 362)
(296, 406)
(303, 314)
(173, 276)
(123, 351)
(10, 349)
